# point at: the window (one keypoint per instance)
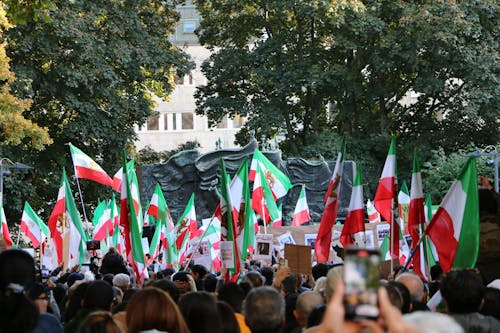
(187, 121)
(153, 123)
(165, 121)
(188, 27)
(237, 121)
(174, 121)
(222, 123)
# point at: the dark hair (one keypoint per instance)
(17, 273)
(289, 284)
(200, 270)
(394, 295)
(181, 276)
(99, 295)
(100, 322)
(200, 312)
(127, 295)
(264, 309)
(233, 294)
(436, 272)
(316, 315)
(210, 282)
(255, 278)
(405, 295)
(165, 273)
(228, 319)
(319, 270)
(491, 304)
(463, 290)
(268, 273)
(75, 298)
(169, 287)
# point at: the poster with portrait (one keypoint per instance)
(226, 254)
(201, 256)
(264, 246)
(286, 238)
(310, 239)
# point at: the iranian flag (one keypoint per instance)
(454, 229)
(353, 231)
(403, 205)
(263, 200)
(5, 229)
(278, 182)
(185, 229)
(117, 180)
(130, 219)
(85, 167)
(56, 220)
(324, 237)
(385, 196)
(33, 227)
(373, 215)
(279, 220)
(163, 221)
(102, 221)
(301, 213)
(385, 253)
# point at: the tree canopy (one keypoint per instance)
(90, 69)
(309, 71)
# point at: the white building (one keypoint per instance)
(176, 122)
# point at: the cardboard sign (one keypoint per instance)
(299, 258)
(385, 268)
(226, 253)
(264, 246)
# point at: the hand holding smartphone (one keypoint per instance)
(361, 279)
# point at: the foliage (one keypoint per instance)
(15, 129)
(314, 69)
(149, 156)
(90, 70)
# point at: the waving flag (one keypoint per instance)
(301, 213)
(353, 230)
(324, 238)
(279, 220)
(85, 167)
(103, 223)
(5, 229)
(403, 205)
(373, 215)
(56, 219)
(454, 229)
(185, 230)
(278, 182)
(33, 227)
(263, 201)
(385, 196)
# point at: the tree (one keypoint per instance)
(90, 70)
(311, 69)
(14, 128)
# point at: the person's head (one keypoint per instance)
(198, 272)
(268, 273)
(169, 287)
(436, 272)
(334, 276)
(17, 274)
(394, 295)
(200, 312)
(232, 294)
(229, 322)
(254, 278)
(491, 303)
(99, 295)
(143, 312)
(462, 290)
(165, 273)
(306, 302)
(414, 284)
(320, 285)
(73, 277)
(184, 281)
(289, 285)
(432, 322)
(210, 282)
(40, 295)
(319, 270)
(264, 309)
(405, 295)
(100, 322)
(75, 299)
(121, 281)
(316, 316)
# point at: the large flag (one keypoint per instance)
(5, 229)
(158, 209)
(227, 217)
(85, 167)
(263, 200)
(324, 237)
(33, 227)
(353, 230)
(301, 213)
(102, 221)
(185, 230)
(56, 219)
(454, 229)
(278, 182)
(130, 218)
(416, 218)
(385, 196)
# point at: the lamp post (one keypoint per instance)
(490, 151)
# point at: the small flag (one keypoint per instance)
(33, 227)
(354, 225)
(85, 167)
(301, 213)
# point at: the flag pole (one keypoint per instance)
(199, 241)
(18, 235)
(391, 245)
(412, 254)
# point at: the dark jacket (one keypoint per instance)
(477, 323)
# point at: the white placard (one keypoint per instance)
(309, 239)
(369, 239)
(264, 246)
(145, 245)
(226, 253)
(286, 238)
(382, 231)
(202, 254)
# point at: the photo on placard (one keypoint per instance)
(226, 253)
(310, 239)
(369, 239)
(263, 247)
(286, 238)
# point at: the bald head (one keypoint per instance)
(306, 302)
(414, 284)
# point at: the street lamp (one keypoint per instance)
(490, 151)
(5, 166)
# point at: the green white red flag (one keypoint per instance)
(385, 197)
(301, 213)
(373, 215)
(33, 227)
(278, 182)
(185, 230)
(385, 253)
(403, 205)
(454, 229)
(263, 200)
(56, 220)
(324, 237)
(87, 168)
(102, 221)
(279, 220)
(353, 231)
(5, 229)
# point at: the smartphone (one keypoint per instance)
(361, 279)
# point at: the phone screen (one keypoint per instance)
(361, 278)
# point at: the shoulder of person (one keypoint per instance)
(48, 323)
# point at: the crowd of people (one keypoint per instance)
(264, 299)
